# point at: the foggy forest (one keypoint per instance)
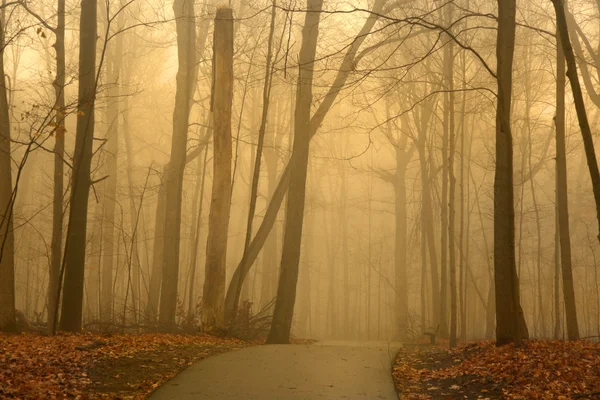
(413, 180)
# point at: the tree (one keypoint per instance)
(561, 177)
(59, 152)
(186, 77)
(218, 220)
(294, 217)
(7, 256)
(74, 258)
(508, 307)
(586, 133)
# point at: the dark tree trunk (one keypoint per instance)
(508, 309)
(72, 304)
(290, 259)
(584, 125)
(562, 197)
(7, 256)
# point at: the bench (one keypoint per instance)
(432, 333)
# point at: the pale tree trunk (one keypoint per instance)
(427, 210)
(186, 52)
(213, 315)
(7, 256)
(94, 261)
(463, 247)
(196, 240)
(452, 188)
(562, 198)
(269, 259)
(343, 207)
(508, 309)
(447, 70)
(74, 259)
(586, 133)
(110, 184)
(59, 152)
(290, 259)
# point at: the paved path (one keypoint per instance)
(326, 370)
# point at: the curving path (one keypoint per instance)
(325, 370)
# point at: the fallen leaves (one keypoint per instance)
(34, 366)
(537, 370)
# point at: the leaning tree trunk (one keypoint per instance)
(562, 197)
(74, 259)
(213, 315)
(346, 68)
(230, 314)
(186, 51)
(586, 133)
(7, 256)
(292, 240)
(508, 309)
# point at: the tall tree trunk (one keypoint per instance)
(218, 220)
(59, 152)
(443, 321)
(562, 196)
(508, 309)
(290, 259)
(427, 211)
(186, 81)
(586, 133)
(7, 256)
(110, 184)
(74, 259)
(449, 72)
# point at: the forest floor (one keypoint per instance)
(89, 366)
(537, 370)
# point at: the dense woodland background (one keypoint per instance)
(121, 120)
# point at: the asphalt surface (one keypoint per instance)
(325, 370)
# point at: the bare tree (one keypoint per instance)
(7, 256)
(74, 258)
(186, 77)
(508, 306)
(292, 239)
(213, 313)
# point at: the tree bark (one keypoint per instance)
(59, 152)
(186, 51)
(74, 259)
(584, 125)
(562, 197)
(508, 313)
(290, 259)
(218, 220)
(7, 257)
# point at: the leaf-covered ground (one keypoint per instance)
(537, 370)
(115, 366)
